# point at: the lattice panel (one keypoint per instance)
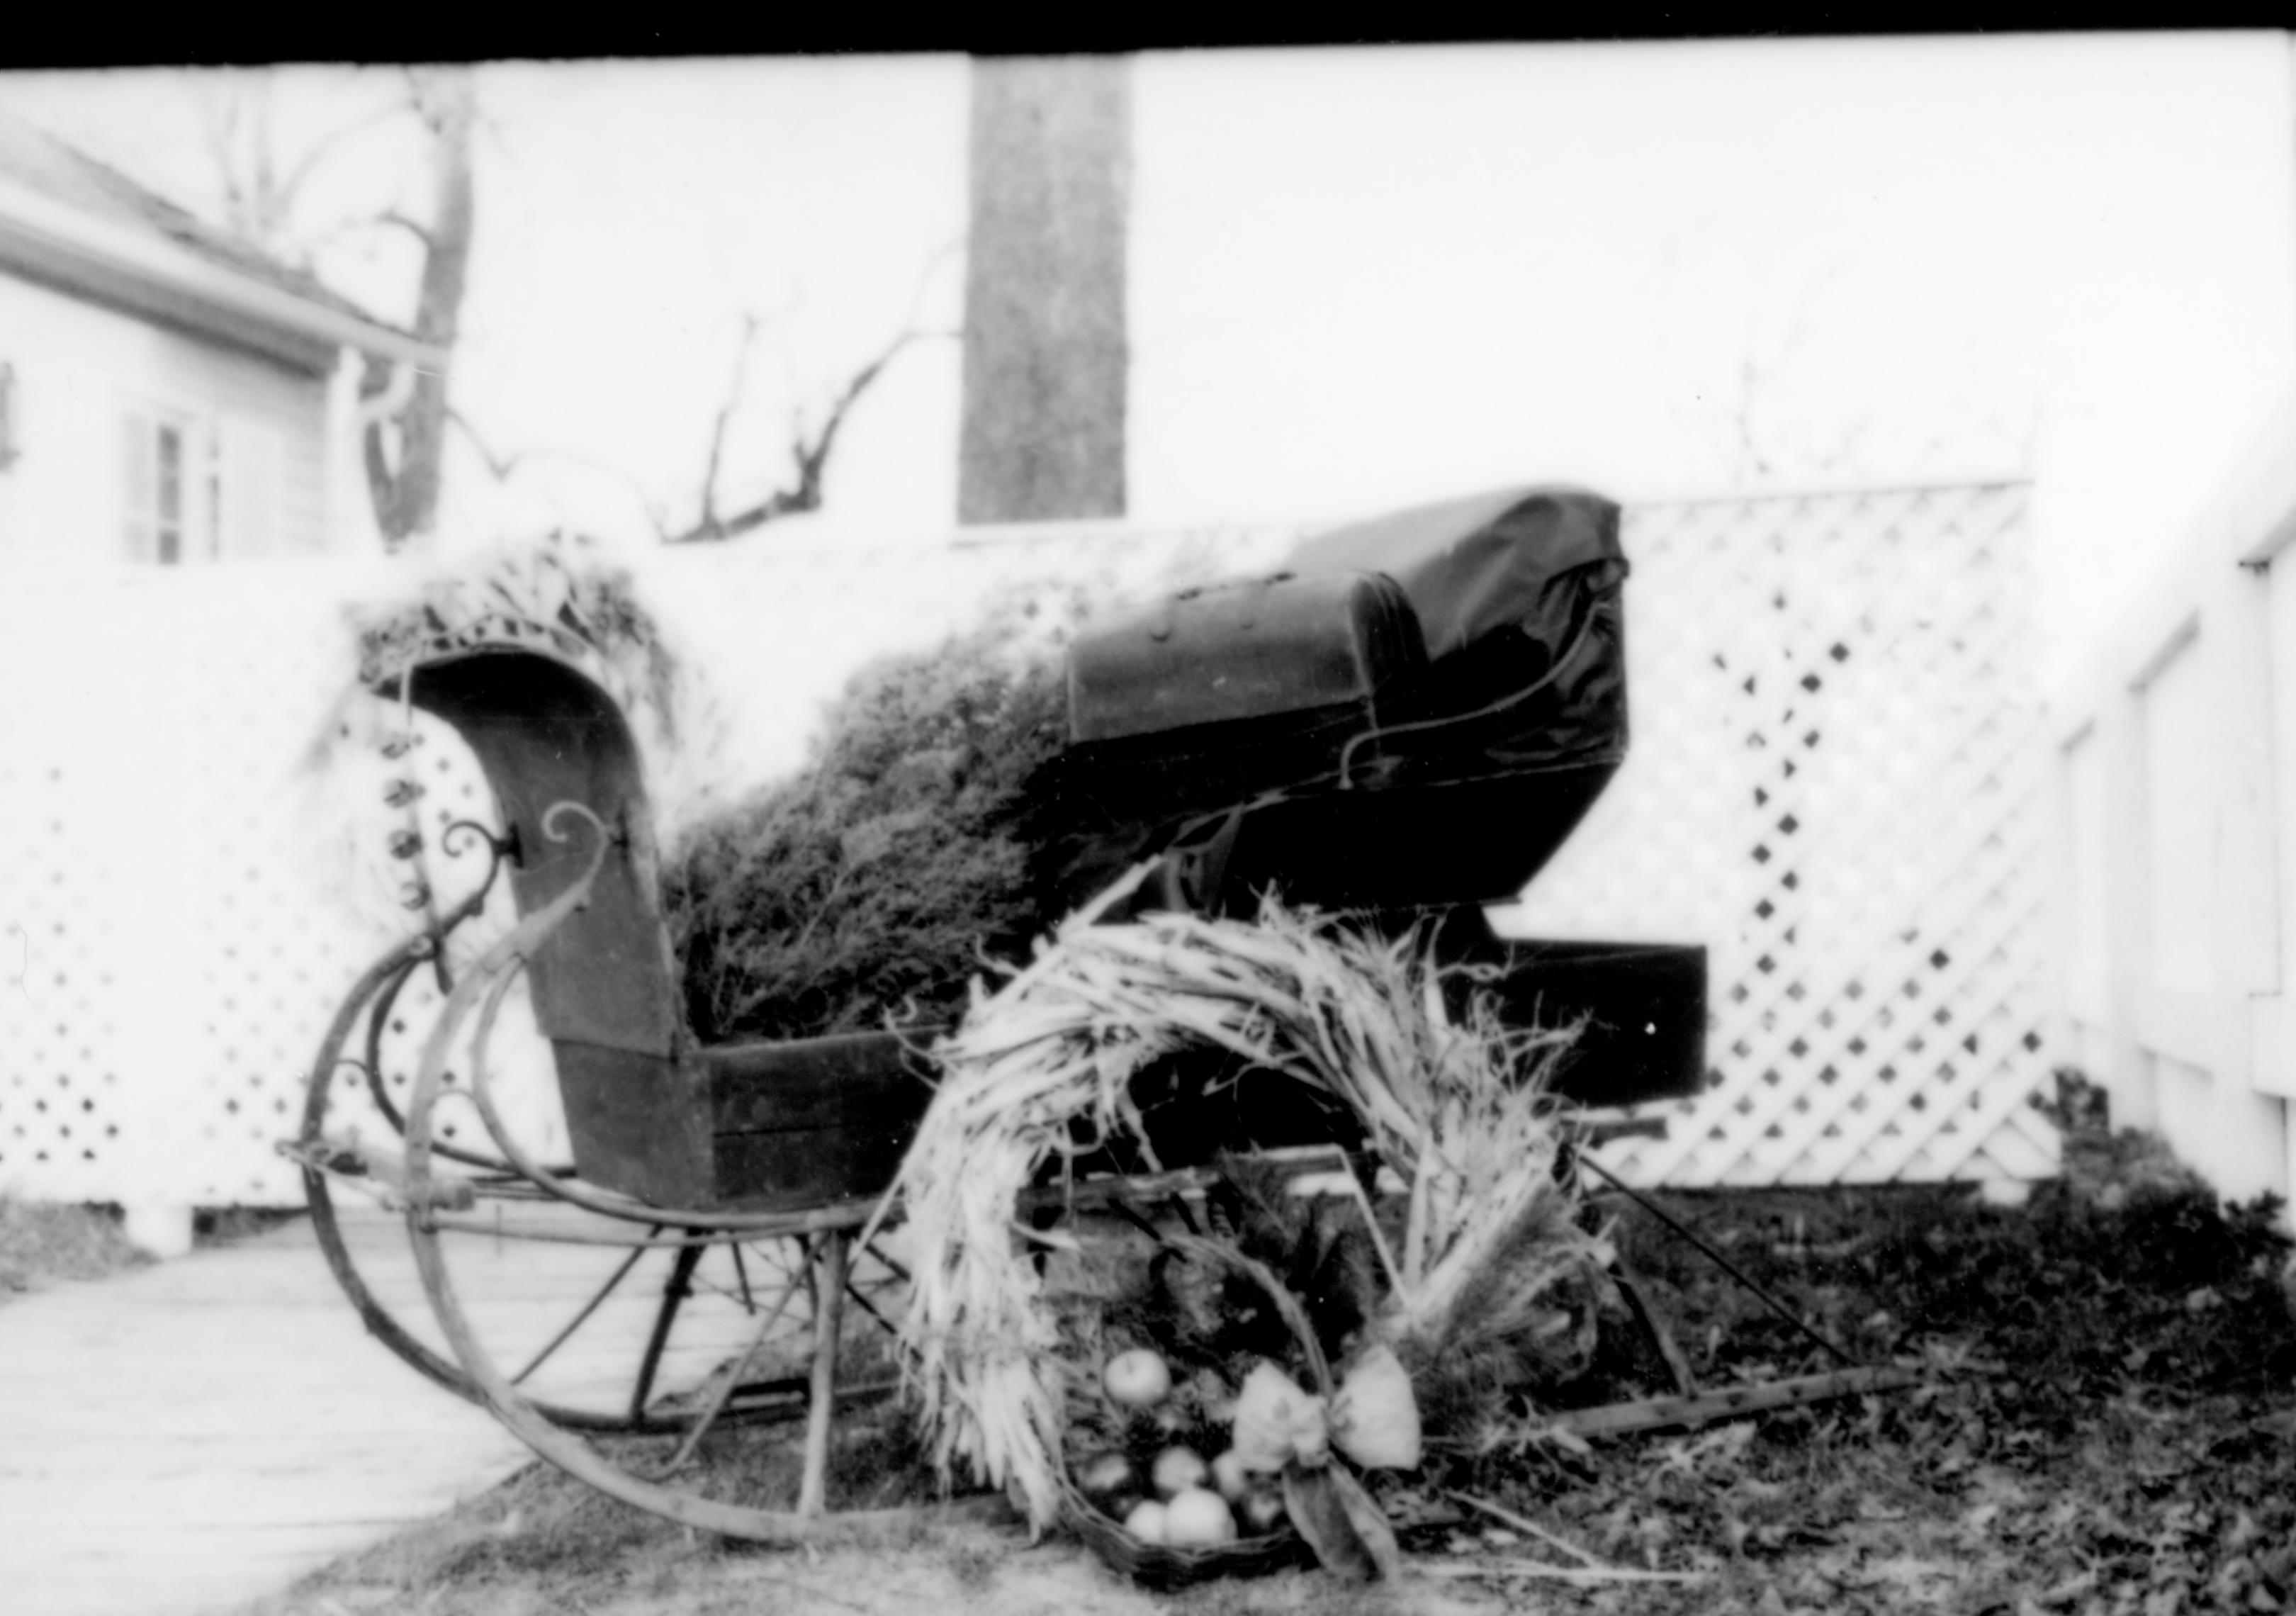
(1834, 785)
(185, 895)
(1831, 784)
(69, 933)
(260, 960)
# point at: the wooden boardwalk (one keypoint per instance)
(192, 1436)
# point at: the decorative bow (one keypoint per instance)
(1372, 1419)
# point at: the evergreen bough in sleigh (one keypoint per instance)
(881, 878)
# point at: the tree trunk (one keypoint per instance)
(405, 484)
(1044, 350)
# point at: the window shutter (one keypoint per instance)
(136, 484)
(249, 516)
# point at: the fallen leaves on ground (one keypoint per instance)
(2110, 1430)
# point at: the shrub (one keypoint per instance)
(878, 879)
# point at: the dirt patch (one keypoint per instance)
(540, 1543)
(231, 1225)
(43, 1244)
(947, 1570)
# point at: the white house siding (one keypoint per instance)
(2176, 856)
(79, 366)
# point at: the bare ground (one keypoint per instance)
(948, 1570)
(2111, 1429)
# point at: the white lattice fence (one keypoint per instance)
(184, 890)
(68, 1042)
(1830, 786)
(1833, 785)
(184, 900)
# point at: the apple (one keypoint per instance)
(1137, 1379)
(1198, 1519)
(1110, 1483)
(1228, 1475)
(1147, 1522)
(1176, 1469)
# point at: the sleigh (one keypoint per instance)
(1402, 724)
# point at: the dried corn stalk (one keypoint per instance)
(1453, 1107)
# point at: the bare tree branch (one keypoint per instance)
(403, 455)
(708, 526)
(941, 254)
(501, 467)
(319, 149)
(810, 460)
(238, 140)
(219, 126)
(343, 231)
(808, 455)
(239, 135)
(393, 218)
(1751, 461)
(498, 466)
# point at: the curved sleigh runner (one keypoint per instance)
(741, 1171)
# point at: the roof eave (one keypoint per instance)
(58, 243)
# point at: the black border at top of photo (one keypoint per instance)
(397, 36)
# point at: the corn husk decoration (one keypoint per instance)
(1453, 1107)
(1277, 1421)
(1375, 1415)
(1372, 1418)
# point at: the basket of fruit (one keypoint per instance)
(1270, 1494)
(1154, 1505)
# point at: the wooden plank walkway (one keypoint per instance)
(192, 1436)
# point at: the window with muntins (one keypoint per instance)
(198, 488)
(160, 483)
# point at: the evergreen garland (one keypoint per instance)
(880, 879)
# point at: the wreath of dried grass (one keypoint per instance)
(1454, 1106)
